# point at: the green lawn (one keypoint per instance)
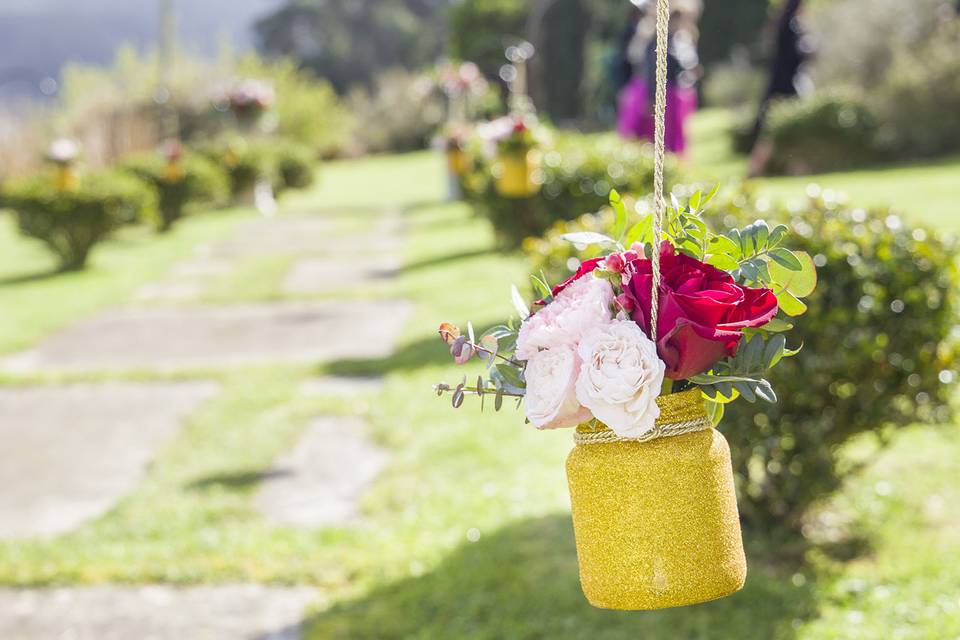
(467, 533)
(924, 191)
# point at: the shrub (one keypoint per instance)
(832, 130)
(919, 100)
(72, 222)
(577, 177)
(295, 166)
(399, 113)
(877, 352)
(307, 108)
(194, 179)
(245, 163)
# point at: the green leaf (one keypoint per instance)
(510, 375)
(725, 246)
(751, 353)
(587, 238)
(695, 200)
(799, 283)
(640, 232)
(746, 389)
(790, 304)
(777, 235)
(722, 261)
(774, 350)
(523, 309)
(765, 392)
(714, 411)
(762, 233)
(786, 259)
(620, 215)
(776, 325)
(710, 195)
(541, 287)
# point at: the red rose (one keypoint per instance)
(701, 314)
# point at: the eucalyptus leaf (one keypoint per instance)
(523, 309)
(786, 259)
(800, 283)
(774, 350)
(790, 304)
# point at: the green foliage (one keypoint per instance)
(295, 165)
(308, 109)
(194, 179)
(400, 112)
(351, 42)
(905, 57)
(244, 162)
(918, 102)
(876, 353)
(577, 177)
(876, 347)
(830, 130)
(482, 29)
(72, 222)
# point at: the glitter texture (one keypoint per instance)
(656, 522)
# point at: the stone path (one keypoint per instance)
(182, 337)
(319, 483)
(325, 275)
(341, 385)
(232, 612)
(69, 452)
(73, 450)
(286, 235)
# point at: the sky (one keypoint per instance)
(38, 36)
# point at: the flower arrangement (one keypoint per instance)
(583, 353)
(249, 99)
(512, 134)
(461, 79)
(63, 154)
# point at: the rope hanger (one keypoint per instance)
(659, 111)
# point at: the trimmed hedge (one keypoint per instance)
(877, 348)
(194, 179)
(576, 177)
(72, 222)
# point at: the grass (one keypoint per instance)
(467, 533)
(925, 191)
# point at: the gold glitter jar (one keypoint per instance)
(656, 522)
(515, 173)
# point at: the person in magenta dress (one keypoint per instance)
(683, 71)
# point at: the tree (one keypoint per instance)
(349, 42)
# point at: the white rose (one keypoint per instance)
(550, 401)
(583, 305)
(620, 378)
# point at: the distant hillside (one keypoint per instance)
(37, 37)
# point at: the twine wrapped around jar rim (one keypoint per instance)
(679, 413)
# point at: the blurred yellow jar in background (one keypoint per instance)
(516, 173)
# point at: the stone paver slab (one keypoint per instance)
(229, 612)
(209, 336)
(71, 451)
(324, 275)
(341, 385)
(271, 236)
(320, 481)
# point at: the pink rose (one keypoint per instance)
(577, 309)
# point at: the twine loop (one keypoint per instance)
(659, 152)
(680, 413)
